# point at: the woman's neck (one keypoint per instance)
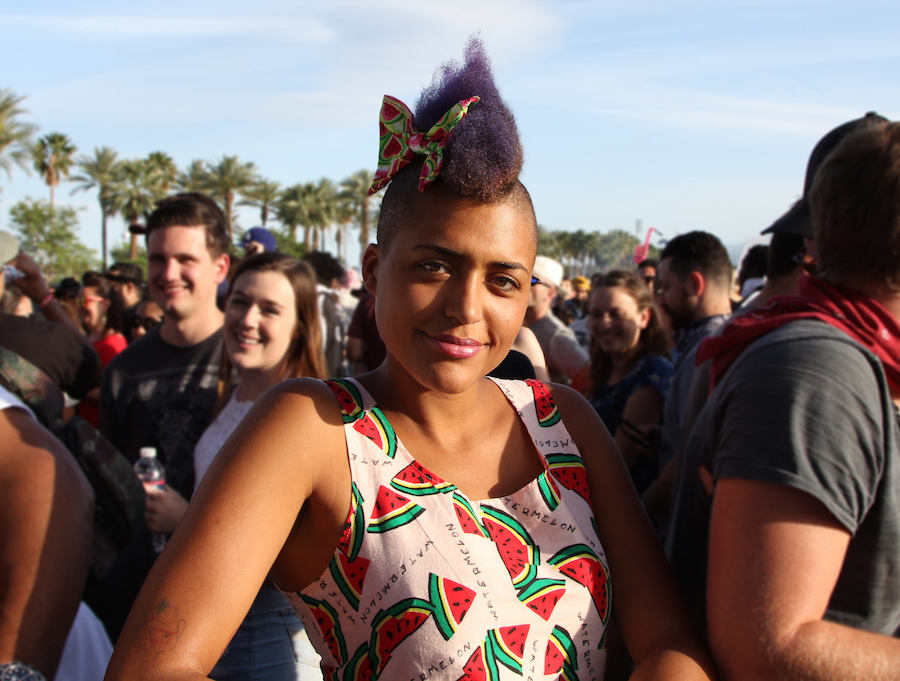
(622, 363)
(254, 383)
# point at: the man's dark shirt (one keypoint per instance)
(155, 394)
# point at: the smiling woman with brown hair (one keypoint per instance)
(630, 367)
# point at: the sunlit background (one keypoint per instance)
(681, 115)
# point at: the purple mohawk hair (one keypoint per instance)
(484, 155)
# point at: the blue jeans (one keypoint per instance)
(270, 645)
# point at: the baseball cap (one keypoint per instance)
(582, 282)
(261, 236)
(548, 270)
(9, 247)
(796, 220)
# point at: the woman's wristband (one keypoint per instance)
(46, 300)
(19, 671)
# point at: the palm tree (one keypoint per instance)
(356, 189)
(54, 155)
(345, 211)
(263, 195)
(163, 164)
(323, 210)
(15, 136)
(292, 210)
(101, 172)
(227, 178)
(138, 189)
(194, 178)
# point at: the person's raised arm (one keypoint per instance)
(775, 554)
(647, 606)
(277, 494)
(46, 514)
(35, 287)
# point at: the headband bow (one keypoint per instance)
(400, 143)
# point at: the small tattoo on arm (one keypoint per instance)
(162, 627)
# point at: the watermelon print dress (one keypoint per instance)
(429, 584)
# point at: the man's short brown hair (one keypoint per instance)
(855, 209)
(192, 209)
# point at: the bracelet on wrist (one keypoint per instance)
(19, 671)
(46, 300)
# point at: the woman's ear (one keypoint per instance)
(371, 262)
(644, 318)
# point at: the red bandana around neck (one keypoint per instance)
(862, 318)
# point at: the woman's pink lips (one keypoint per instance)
(460, 348)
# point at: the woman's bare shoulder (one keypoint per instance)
(293, 425)
(298, 403)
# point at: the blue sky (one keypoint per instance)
(683, 114)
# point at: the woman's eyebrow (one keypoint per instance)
(450, 253)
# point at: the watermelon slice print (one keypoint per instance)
(327, 620)
(515, 545)
(351, 539)
(451, 601)
(542, 595)
(581, 564)
(350, 575)
(475, 669)
(374, 425)
(349, 398)
(393, 148)
(360, 666)
(506, 645)
(549, 491)
(568, 469)
(467, 516)
(391, 511)
(547, 413)
(393, 626)
(420, 482)
(561, 653)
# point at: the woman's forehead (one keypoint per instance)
(502, 226)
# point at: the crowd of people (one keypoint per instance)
(673, 471)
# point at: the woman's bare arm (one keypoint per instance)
(647, 605)
(643, 408)
(46, 515)
(282, 471)
(527, 343)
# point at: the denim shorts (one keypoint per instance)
(270, 645)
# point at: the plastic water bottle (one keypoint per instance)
(150, 471)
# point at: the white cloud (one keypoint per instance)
(355, 51)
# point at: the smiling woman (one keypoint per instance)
(424, 519)
(630, 368)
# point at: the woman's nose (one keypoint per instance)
(465, 300)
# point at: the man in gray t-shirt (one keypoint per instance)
(808, 408)
(794, 459)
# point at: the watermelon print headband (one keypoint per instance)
(400, 143)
